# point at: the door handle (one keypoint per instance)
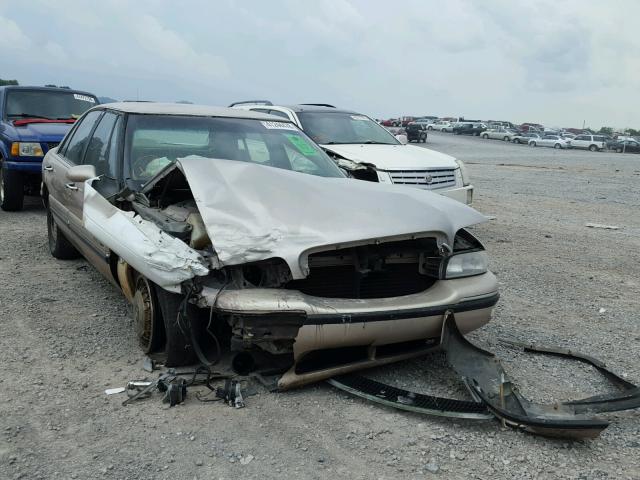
(48, 168)
(71, 186)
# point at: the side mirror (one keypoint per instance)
(81, 173)
(402, 139)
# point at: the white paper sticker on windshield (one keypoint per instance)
(279, 126)
(84, 98)
(359, 117)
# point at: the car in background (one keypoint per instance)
(355, 141)
(390, 122)
(466, 128)
(416, 132)
(523, 138)
(33, 120)
(593, 143)
(425, 121)
(553, 141)
(498, 134)
(626, 146)
(441, 125)
(228, 229)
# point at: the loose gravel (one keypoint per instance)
(66, 335)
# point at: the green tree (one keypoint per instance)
(8, 82)
(606, 131)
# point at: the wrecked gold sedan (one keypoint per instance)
(231, 230)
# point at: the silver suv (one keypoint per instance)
(590, 142)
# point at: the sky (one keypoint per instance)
(560, 63)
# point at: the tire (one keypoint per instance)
(506, 139)
(557, 145)
(516, 140)
(147, 316)
(177, 337)
(59, 246)
(485, 136)
(592, 148)
(429, 128)
(532, 144)
(619, 150)
(11, 190)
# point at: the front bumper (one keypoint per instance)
(335, 323)
(461, 194)
(34, 167)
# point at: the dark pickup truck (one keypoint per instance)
(33, 120)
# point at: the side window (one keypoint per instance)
(76, 146)
(98, 148)
(580, 137)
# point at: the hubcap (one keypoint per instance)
(143, 314)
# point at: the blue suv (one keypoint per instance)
(33, 120)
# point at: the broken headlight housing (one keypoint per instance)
(468, 258)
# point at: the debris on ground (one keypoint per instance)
(600, 225)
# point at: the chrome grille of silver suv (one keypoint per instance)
(427, 179)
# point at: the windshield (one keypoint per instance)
(328, 128)
(155, 141)
(50, 105)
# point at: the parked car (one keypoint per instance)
(469, 129)
(391, 122)
(626, 146)
(523, 138)
(33, 120)
(554, 141)
(235, 229)
(353, 140)
(499, 134)
(424, 121)
(441, 125)
(589, 142)
(416, 133)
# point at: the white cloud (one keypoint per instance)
(546, 61)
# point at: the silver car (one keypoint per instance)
(232, 230)
(553, 141)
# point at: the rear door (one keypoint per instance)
(581, 141)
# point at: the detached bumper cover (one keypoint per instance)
(494, 393)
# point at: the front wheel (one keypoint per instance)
(557, 145)
(619, 150)
(11, 190)
(485, 136)
(59, 245)
(429, 128)
(532, 144)
(506, 139)
(516, 140)
(593, 148)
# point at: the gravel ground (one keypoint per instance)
(66, 336)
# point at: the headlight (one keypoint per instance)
(463, 172)
(467, 264)
(22, 149)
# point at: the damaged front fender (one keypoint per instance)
(163, 259)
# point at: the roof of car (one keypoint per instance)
(151, 108)
(316, 108)
(45, 89)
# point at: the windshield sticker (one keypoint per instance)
(278, 126)
(302, 145)
(359, 117)
(84, 98)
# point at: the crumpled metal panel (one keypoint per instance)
(254, 212)
(163, 259)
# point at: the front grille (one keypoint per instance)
(51, 145)
(345, 281)
(427, 179)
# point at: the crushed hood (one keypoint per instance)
(254, 212)
(394, 157)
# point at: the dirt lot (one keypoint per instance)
(66, 336)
